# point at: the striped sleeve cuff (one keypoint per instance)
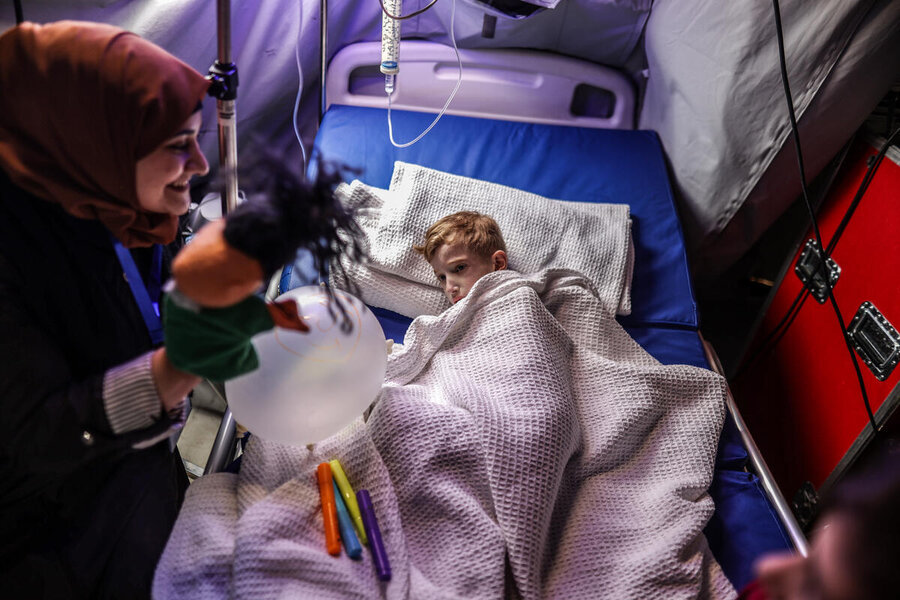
(129, 396)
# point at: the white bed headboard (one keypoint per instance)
(513, 85)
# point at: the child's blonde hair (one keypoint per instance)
(477, 232)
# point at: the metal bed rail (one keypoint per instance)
(773, 493)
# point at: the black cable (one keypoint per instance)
(776, 334)
(859, 377)
(789, 316)
(870, 174)
(794, 128)
(410, 15)
(19, 16)
(812, 216)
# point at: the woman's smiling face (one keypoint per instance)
(163, 177)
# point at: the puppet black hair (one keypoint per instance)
(284, 213)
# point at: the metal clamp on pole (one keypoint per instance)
(223, 80)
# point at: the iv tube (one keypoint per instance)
(390, 84)
(299, 85)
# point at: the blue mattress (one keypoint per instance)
(570, 163)
(624, 167)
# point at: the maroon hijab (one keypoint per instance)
(80, 104)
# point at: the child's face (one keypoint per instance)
(457, 268)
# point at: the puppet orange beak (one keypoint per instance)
(286, 315)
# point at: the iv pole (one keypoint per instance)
(223, 79)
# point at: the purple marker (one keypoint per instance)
(382, 566)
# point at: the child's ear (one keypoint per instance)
(498, 258)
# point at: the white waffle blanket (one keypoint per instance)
(588, 237)
(523, 446)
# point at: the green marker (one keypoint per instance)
(340, 478)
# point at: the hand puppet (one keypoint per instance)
(212, 309)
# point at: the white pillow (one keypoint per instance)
(591, 238)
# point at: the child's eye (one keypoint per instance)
(459, 268)
(441, 277)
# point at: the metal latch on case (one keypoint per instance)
(875, 339)
(817, 280)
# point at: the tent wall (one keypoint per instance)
(715, 96)
(265, 34)
(263, 43)
(712, 84)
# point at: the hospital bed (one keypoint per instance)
(555, 160)
(566, 134)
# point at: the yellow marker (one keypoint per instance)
(340, 478)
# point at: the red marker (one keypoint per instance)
(329, 509)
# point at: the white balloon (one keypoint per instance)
(310, 385)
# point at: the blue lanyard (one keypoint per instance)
(149, 308)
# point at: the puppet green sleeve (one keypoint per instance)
(214, 342)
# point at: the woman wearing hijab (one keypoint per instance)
(98, 143)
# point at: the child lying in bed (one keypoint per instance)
(462, 248)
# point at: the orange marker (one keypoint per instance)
(329, 509)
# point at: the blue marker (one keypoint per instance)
(382, 566)
(351, 542)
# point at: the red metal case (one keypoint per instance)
(801, 400)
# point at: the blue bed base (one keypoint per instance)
(588, 165)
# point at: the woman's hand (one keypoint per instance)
(172, 384)
(215, 343)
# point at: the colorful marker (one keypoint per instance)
(382, 566)
(329, 509)
(337, 471)
(351, 543)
